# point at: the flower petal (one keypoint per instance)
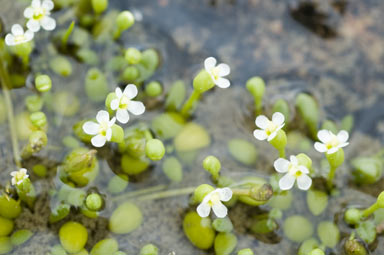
(33, 25)
(281, 165)
(225, 194)
(98, 141)
(130, 91)
(36, 3)
(220, 210)
(203, 209)
(91, 128)
(278, 118)
(303, 169)
(320, 147)
(17, 30)
(47, 5)
(28, 35)
(114, 104)
(102, 116)
(293, 160)
(343, 145)
(48, 23)
(260, 134)
(333, 150)
(209, 63)
(108, 134)
(111, 122)
(262, 121)
(343, 136)
(10, 40)
(223, 83)
(324, 135)
(118, 92)
(136, 107)
(304, 182)
(122, 116)
(286, 182)
(224, 69)
(271, 136)
(28, 12)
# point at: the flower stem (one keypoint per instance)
(190, 103)
(6, 86)
(331, 175)
(282, 153)
(167, 193)
(370, 210)
(139, 192)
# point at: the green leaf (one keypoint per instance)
(367, 231)
(317, 201)
(328, 233)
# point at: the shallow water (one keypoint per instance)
(255, 37)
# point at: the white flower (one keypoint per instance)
(19, 176)
(268, 128)
(213, 200)
(102, 130)
(17, 36)
(331, 143)
(294, 172)
(217, 72)
(39, 15)
(124, 103)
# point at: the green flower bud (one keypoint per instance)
(73, 236)
(149, 249)
(34, 103)
(130, 74)
(336, 159)
(203, 82)
(280, 140)
(352, 216)
(133, 56)
(153, 89)
(96, 85)
(117, 134)
(124, 20)
(40, 170)
(212, 165)
(309, 112)
(150, 59)
(354, 247)
(154, 149)
(282, 106)
(38, 119)
(245, 252)
(367, 170)
(99, 6)
(37, 141)
(201, 191)
(94, 202)
(304, 160)
(256, 87)
(316, 252)
(61, 66)
(380, 200)
(79, 159)
(23, 50)
(261, 193)
(43, 83)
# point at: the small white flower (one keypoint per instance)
(213, 200)
(268, 128)
(17, 36)
(294, 172)
(217, 72)
(39, 15)
(19, 176)
(124, 103)
(102, 130)
(331, 143)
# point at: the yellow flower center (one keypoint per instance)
(215, 73)
(271, 128)
(294, 170)
(19, 176)
(38, 13)
(215, 198)
(19, 38)
(333, 143)
(124, 101)
(103, 128)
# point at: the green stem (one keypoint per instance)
(282, 153)
(240, 192)
(6, 86)
(139, 192)
(331, 175)
(167, 193)
(190, 103)
(370, 210)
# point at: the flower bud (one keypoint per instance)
(317, 252)
(153, 89)
(149, 249)
(61, 66)
(94, 202)
(309, 112)
(336, 159)
(261, 193)
(130, 74)
(79, 159)
(256, 86)
(99, 6)
(37, 140)
(38, 119)
(203, 82)
(352, 216)
(133, 56)
(43, 83)
(154, 149)
(280, 140)
(125, 20)
(34, 103)
(367, 170)
(304, 160)
(117, 134)
(354, 247)
(212, 165)
(201, 191)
